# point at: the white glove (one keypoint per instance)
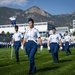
(11, 45)
(48, 48)
(41, 48)
(69, 43)
(64, 44)
(61, 48)
(22, 47)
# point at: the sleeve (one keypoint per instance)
(38, 34)
(64, 38)
(49, 38)
(25, 36)
(69, 37)
(13, 36)
(21, 36)
(59, 37)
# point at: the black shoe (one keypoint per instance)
(58, 61)
(70, 53)
(18, 62)
(31, 72)
(49, 51)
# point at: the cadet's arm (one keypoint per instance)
(60, 43)
(12, 41)
(23, 41)
(40, 41)
(48, 43)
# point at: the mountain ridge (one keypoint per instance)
(37, 14)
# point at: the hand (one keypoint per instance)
(48, 48)
(22, 47)
(64, 44)
(41, 48)
(61, 48)
(11, 45)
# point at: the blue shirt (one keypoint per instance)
(17, 36)
(54, 38)
(32, 34)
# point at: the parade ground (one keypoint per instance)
(44, 63)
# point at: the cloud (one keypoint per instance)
(13, 2)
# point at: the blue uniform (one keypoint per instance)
(54, 45)
(63, 44)
(17, 43)
(74, 43)
(31, 36)
(67, 40)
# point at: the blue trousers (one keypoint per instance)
(31, 48)
(17, 44)
(54, 50)
(63, 47)
(67, 48)
(74, 45)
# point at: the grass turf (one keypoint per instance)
(44, 63)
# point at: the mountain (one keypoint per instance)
(37, 14)
(6, 12)
(37, 10)
(65, 19)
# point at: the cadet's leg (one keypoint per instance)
(31, 58)
(69, 49)
(63, 47)
(52, 51)
(56, 52)
(74, 45)
(28, 50)
(17, 53)
(53, 56)
(16, 47)
(66, 47)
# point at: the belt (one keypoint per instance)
(67, 41)
(54, 42)
(16, 41)
(32, 40)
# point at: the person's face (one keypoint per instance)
(54, 31)
(66, 33)
(16, 29)
(30, 24)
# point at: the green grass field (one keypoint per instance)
(44, 63)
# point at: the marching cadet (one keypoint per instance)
(16, 40)
(53, 44)
(63, 44)
(30, 38)
(67, 41)
(74, 43)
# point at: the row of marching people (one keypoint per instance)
(55, 42)
(71, 42)
(5, 45)
(30, 44)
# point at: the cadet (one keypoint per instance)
(53, 44)
(30, 38)
(67, 42)
(16, 40)
(63, 44)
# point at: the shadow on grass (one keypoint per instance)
(24, 60)
(6, 64)
(62, 61)
(13, 63)
(47, 69)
